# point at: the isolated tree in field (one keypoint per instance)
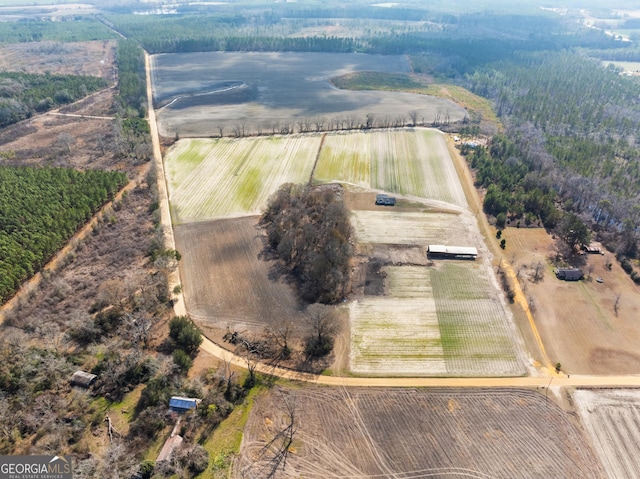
(324, 327)
(309, 230)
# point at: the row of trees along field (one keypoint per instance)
(39, 209)
(23, 94)
(132, 83)
(309, 230)
(571, 141)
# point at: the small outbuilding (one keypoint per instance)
(181, 404)
(83, 379)
(569, 274)
(385, 200)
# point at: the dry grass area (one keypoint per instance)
(577, 320)
(356, 433)
(95, 58)
(52, 140)
(611, 418)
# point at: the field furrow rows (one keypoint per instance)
(210, 179)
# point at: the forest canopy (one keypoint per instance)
(308, 228)
(40, 208)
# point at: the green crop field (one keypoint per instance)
(436, 322)
(408, 162)
(225, 177)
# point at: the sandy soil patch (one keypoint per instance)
(419, 433)
(225, 283)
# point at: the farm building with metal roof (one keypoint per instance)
(451, 252)
(569, 274)
(182, 404)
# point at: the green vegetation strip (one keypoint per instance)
(224, 444)
(40, 208)
(61, 31)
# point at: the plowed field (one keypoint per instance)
(612, 419)
(356, 433)
(224, 281)
(211, 179)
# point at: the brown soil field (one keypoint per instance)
(409, 433)
(95, 58)
(577, 320)
(225, 283)
(611, 419)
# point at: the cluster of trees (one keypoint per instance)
(572, 128)
(61, 30)
(309, 230)
(132, 83)
(40, 208)
(23, 94)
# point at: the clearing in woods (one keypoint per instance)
(350, 432)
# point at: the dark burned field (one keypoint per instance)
(447, 433)
(251, 92)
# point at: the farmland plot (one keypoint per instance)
(407, 162)
(413, 227)
(474, 327)
(612, 419)
(357, 433)
(446, 321)
(224, 282)
(268, 91)
(221, 178)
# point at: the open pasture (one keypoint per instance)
(453, 433)
(211, 179)
(611, 419)
(278, 90)
(407, 162)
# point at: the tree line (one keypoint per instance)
(40, 208)
(570, 143)
(24, 94)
